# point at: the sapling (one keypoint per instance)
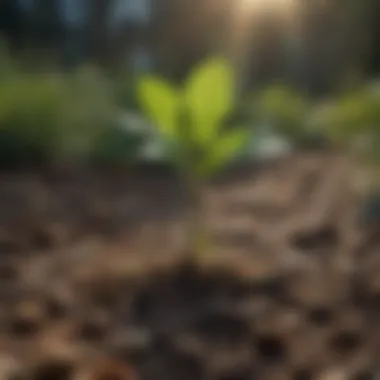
(286, 112)
(353, 124)
(192, 119)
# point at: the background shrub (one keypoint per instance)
(70, 116)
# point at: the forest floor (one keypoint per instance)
(93, 284)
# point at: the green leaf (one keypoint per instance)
(161, 103)
(209, 96)
(284, 107)
(353, 115)
(224, 149)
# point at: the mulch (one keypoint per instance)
(94, 282)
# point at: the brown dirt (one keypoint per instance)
(93, 284)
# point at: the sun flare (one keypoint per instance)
(266, 4)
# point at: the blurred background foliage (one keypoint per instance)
(68, 71)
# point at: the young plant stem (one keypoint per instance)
(197, 233)
(195, 218)
(196, 238)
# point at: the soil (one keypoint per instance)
(94, 283)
